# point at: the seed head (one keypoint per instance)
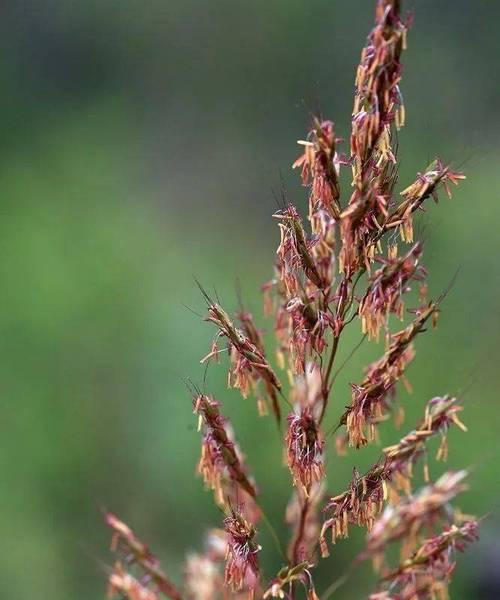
(294, 253)
(370, 398)
(364, 499)
(320, 166)
(137, 553)
(304, 447)
(387, 286)
(221, 463)
(425, 186)
(202, 578)
(411, 515)
(242, 563)
(377, 100)
(430, 567)
(124, 585)
(248, 363)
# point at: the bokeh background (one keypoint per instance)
(141, 144)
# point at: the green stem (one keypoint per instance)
(274, 535)
(333, 587)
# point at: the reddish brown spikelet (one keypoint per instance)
(304, 446)
(255, 336)
(137, 553)
(365, 496)
(430, 567)
(411, 515)
(221, 463)
(362, 219)
(370, 398)
(434, 553)
(301, 328)
(203, 573)
(248, 363)
(242, 561)
(294, 252)
(377, 107)
(320, 164)
(387, 286)
(202, 578)
(340, 264)
(359, 504)
(440, 413)
(125, 585)
(425, 186)
(377, 99)
(304, 440)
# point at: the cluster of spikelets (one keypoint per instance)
(343, 266)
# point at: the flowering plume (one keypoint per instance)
(202, 578)
(378, 107)
(248, 362)
(304, 440)
(425, 186)
(342, 263)
(294, 252)
(406, 520)
(153, 580)
(320, 168)
(242, 562)
(125, 585)
(440, 413)
(304, 445)
(387, 286)
(366, 494)
(203, 572)
(378, 102)
(430, 567)
(370, 398)
(271, 387)
(221, 463)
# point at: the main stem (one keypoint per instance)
(342, 311)
(326, 378)
(300, 532)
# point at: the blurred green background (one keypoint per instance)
(141, 142)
